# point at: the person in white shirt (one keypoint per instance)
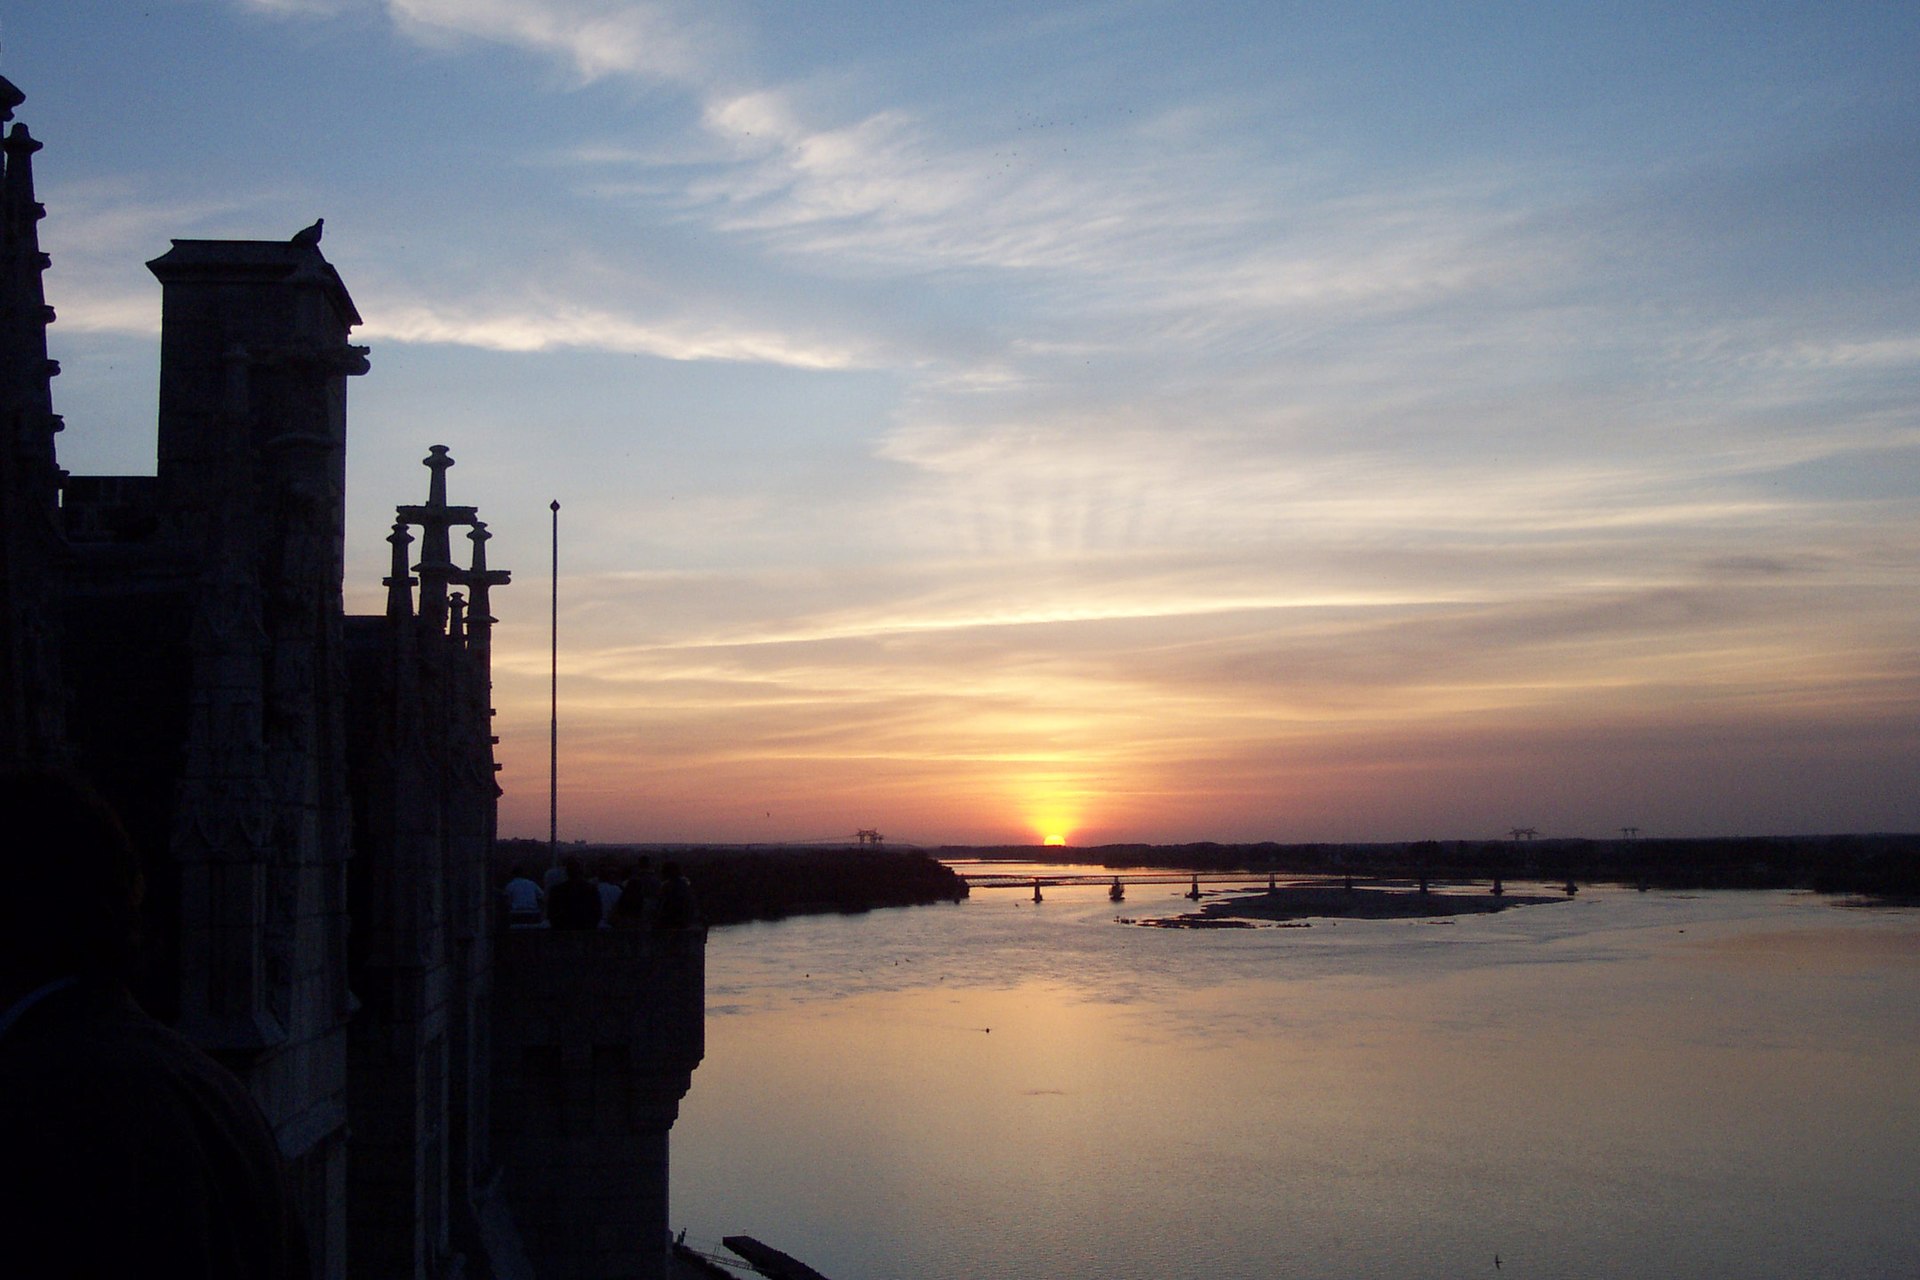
(523, 899)
(609, 899)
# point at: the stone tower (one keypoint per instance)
(32, 704)
(313, 795)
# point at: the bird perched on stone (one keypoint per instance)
(309, 235)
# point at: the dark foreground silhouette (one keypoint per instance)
(124, 1150)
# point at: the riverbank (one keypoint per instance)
(736, 885)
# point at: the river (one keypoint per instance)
(1617, 1085)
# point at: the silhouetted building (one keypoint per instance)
(313, 795)
(31, 702)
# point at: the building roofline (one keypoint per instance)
(255, 260)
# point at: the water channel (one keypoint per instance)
(1616, 1085)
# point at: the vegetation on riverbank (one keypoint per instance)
(734, 885)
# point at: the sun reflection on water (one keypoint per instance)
(1009, 1088)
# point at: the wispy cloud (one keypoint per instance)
(1201, 704)
(100, 232)
(674, 43)
(570, 324)
(304, 8)
(1245, 443)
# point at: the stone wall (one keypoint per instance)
(596, 1036)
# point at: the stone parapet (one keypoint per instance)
(641, 988)
(596, 1035)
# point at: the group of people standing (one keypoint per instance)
(571, 899)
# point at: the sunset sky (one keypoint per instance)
(1115, 420)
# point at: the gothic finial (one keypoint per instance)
(399, 582)
(19, 142)
(478, 536)
(438, 459)
(480, 581)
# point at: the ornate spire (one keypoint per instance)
(479, 582)
(32, 697)
(399, 582)
(438, 459)
(26, 389)
(435, 517)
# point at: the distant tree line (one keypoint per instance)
(735, 885)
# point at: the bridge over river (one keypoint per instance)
(1034, 880)
(1026, 879)
(1220, 879)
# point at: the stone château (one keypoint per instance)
(313, 795)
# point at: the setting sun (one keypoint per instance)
(1052, 806)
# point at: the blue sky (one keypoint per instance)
(1117, 421)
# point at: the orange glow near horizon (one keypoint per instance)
(1052, 806)
(766, 747)
(1052, 824)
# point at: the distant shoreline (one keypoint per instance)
(738, 883)
(1881, 865)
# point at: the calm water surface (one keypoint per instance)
(1620, 1085)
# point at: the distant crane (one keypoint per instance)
(1524, 833)
(1629, 833)
(867, 835)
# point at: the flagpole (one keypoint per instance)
(553, 721)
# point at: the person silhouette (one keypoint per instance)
(574, 903)
(521, 900)
(634, 910)
(124, 1150)
(675, 908)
